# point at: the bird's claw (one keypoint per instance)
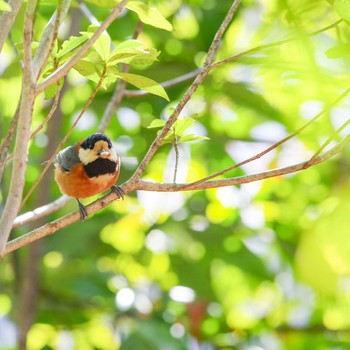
(119, 191)
(82, 210)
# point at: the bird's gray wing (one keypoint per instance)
(68, 158)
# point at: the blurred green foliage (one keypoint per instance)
(264, 265)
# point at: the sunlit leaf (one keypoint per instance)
(149, 15)
(72, 43)
(157, 123)
(103, 3)
(144, 83)
(338, 51)
(192, 137)
(342, 7)
(4, 6)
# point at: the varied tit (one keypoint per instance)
(87, 168)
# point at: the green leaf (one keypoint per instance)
(192, 137)
(157, 123)
(103, 44)
(144, 83)
(149, 15)
(342, 7)
(181, 125)
(85, 68)
(338, 51)
(4, 6)
(50, 92)
(132, 51)
(103, 3)
(72, 43)
(129, 44)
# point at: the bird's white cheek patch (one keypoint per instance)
(86, 156)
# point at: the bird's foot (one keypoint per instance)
(119, 191)
(82, 210)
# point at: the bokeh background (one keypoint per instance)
(264, 265)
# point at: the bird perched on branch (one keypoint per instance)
(87, 168)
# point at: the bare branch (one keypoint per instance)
(23, 132)
(171, 187)
(187, 96)
(48, 39)
(5, 145)
(128, 187)
(193, 74)
(7, 19)
(41, 212)
(277, 144)
(67, 220)
(65, 68)
(48, 164)
(119, 91)
(277, 43)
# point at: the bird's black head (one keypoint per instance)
(89, 143)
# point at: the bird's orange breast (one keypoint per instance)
(76, 183)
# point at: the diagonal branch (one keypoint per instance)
(7, 19)
(47, 41)
(128, 187)
(65, 68)
(48, 164)
(214, 47)
(277, 144)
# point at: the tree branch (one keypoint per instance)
(279, 143)
(119, 91)
(187, 96)
(7, 19)
(48, 164)
(128, 187)
(277, 43)
(65, 68)
(23, 132)
(48, 39)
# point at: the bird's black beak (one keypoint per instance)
(103, 153)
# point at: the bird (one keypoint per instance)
(87, 168)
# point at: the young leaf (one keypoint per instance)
(192, 137)
(144, 83)
(338, 51)
(157, 123)
(103, 3)
(181, 125)
(69, 45)
(4, 6)
(149, 15)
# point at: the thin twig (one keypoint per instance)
(274, 44)
(329, 140)
(41, 212)
(119, 92)
(275, 145)
(5, 145)
(47, 42)
(50, 114)
(187, 96)
(66, 67)
(48, 164)
(176, 148)
(6, 20)
(42, 125)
